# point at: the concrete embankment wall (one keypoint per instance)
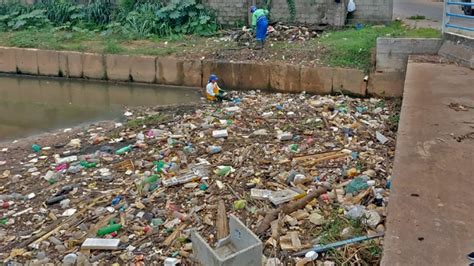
(173, 71)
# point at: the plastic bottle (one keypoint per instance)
(109, 229)
(123, 150)
(74, 169)
(214, 149)
(88, 165)
(151, 179)
(70, 259)
(116, 200)
(64, 190)
(55, 200)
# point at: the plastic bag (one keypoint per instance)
(351, 7)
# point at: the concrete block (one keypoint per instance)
(169, 71)
(117, 67)
(391, 62)
(408, 45)
(227, 72)
(143, 69)
(459, 49)
(317, 80)
(241, 247)
(285, 78)
(63, 71)
(75, 65)
(26, 61)
(93, 66)
(7, 60)
(48, 62)
(386, 84)
(349, 81)
(254, 76)
(192, 71)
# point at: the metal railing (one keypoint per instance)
(448, 14)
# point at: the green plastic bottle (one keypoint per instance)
(151, 179)
(109, 229)
(86, 164)
(123, 150)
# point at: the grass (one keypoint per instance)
(352, 47)
(369, 252)
(348, 47)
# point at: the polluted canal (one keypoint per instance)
(30, 105)
(275, 173)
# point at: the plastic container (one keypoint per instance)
(214, 149)
(36, 147)
(109, 229)
(151, 179)
(88, 164)
(123, 150)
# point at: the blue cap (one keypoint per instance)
(213, 78)
(253, 9)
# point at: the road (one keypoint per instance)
(432, 10)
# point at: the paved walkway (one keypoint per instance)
(431, 209)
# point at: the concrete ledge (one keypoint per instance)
(93, 66)
(349, 81)
(63, 70)
(48, 62)
(317, 80)
(143, 69)
(386, 84)
(285, 78)
(26, 61)
(118, 67)
(7, 60)
(254, 76)
(169, 70)
(174, 71)
(392, 53)
(459, 49)
(192, 73)
(75, 63)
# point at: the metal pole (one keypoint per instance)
(445, 18)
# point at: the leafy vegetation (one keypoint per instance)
(136, 19)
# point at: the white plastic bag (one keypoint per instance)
(351, 7)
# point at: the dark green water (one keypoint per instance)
(31, 105)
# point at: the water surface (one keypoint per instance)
(31, 105)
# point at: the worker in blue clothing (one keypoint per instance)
(260, 21)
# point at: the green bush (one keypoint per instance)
(187, 16)
(134, 18)
(17, 21)
(60, 12)
(99, 12)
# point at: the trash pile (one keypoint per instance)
(278, 32)
(297, 170)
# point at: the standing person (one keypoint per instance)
(213, 92)
(260, 20)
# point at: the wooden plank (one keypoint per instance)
(221, 223)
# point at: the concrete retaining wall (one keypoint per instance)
(194, 73)
(373, 11)
(392, 53)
